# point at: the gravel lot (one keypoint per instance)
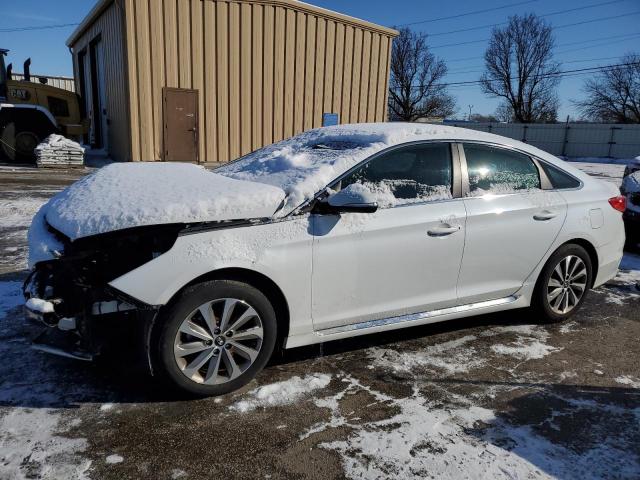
(494, 396)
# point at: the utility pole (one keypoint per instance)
(470, 107)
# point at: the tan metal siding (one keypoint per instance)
(265, 70)
(109, 25)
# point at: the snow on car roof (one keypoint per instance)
(305, 164)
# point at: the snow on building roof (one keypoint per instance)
(305, 164)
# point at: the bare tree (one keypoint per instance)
(415, 89)
(520, 69)
(614, 94)
(504, 113)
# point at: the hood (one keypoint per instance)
(126, 195)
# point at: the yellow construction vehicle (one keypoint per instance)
(31, 111)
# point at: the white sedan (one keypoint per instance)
(337, 232)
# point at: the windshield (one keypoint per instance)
(301, 166)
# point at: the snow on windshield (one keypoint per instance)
(305, 164)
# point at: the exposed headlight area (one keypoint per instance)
(69, 292)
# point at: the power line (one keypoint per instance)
(544, 15)
(459, 72)
(43, 27)
(596, 45)
(554, 28)
(542, 75)
(475, 12)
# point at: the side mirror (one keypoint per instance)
(355, 198)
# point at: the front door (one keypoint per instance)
(404, 258)
(511, 222)
(180, 125)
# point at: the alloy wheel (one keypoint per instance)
(218, 341)
(567, 284)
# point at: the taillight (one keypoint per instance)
(619, 203)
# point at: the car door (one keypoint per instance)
(405, 257)
(511, 221)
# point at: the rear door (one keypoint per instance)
(402, 259)
(511, 221)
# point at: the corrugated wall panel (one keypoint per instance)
(346, 74)
(197, 72)
(222, 72)
(318, 83)
(210, 114)
(109, 27)
(365, 70)
(265, 70)
(329, 65)
(309, 72)
(258, 44)
(246, 47)
(269, 96)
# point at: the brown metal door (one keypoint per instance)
(180, 125)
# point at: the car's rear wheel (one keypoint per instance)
(216, 337)
(563, 283)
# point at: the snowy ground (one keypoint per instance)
(489, 397)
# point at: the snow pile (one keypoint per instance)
(529, 344)
(282, 393)
(58, 151)
(33, 444)
(627, 380)
(306, 163)
(112, 459)
(426, 439)
(39, 305)
(455, 356)
(124, 195)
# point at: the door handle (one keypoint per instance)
(442, 230)
(545, 215)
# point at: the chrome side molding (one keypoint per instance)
(418, 316)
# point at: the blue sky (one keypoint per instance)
(598, 42)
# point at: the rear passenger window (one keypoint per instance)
(558, 178)
(494, 170)
(412, 174)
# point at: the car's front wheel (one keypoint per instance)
(563, 283)
(216, 337)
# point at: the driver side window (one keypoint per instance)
(412, 174)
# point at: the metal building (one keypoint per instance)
(211, 80)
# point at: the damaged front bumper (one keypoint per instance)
(81, 321)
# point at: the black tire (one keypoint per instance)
(189, 300)
(25, 131)
(541, 306)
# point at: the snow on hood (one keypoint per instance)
(303, 165)
(125, 195)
